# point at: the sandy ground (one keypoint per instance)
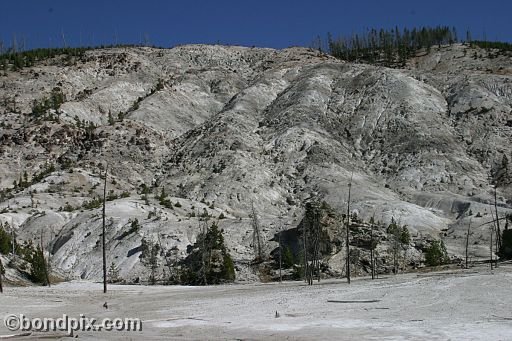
(470, 304)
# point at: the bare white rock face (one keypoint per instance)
(220, 127)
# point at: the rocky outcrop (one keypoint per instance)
(219, 128)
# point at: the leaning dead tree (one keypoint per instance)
(256, 236)
(103, 235)
(491, 222)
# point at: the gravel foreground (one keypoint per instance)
(458, 305)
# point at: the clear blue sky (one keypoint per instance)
(42, 23)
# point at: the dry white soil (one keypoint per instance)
(457, 305)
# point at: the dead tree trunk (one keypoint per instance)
(315, 266)
(103, 235)
(375, 257)
(317, 251)
(347, 237)
(280, 258)
(315, 258)
(13, 237)
(467, 243)
(280, 250)
(372, 245)
(311, 263)
(45, 262)
(491, 248)
(312, 232)
(319, 235)
(204, 255)
(498, 232)
(396, 250)
(1, 285)
(305, 246)
(256, 237)
(168, 260)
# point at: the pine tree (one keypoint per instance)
(502, 175)
(38, 266)
(113, 273)
(209, 262)
(400, 238)
(389, 47)
(150, 252)
(5, 241)
(436, 254)
(288, 258)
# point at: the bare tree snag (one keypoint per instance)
(372, 245)
(204, 229)
(45, 262)
(317, 245)
(347, 237)
(13, 241)
(305, 245)
(492, 230)
(311, 228)
(258, 252)
(498, 232)
(280, 251)
(103, 235)
(315, 266)
(467, 243)
(1, 285)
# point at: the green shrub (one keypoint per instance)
(111, 196)
(92, 204)
(68, 208)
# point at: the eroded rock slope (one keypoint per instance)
(219, 128)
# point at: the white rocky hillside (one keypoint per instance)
(219, 128)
